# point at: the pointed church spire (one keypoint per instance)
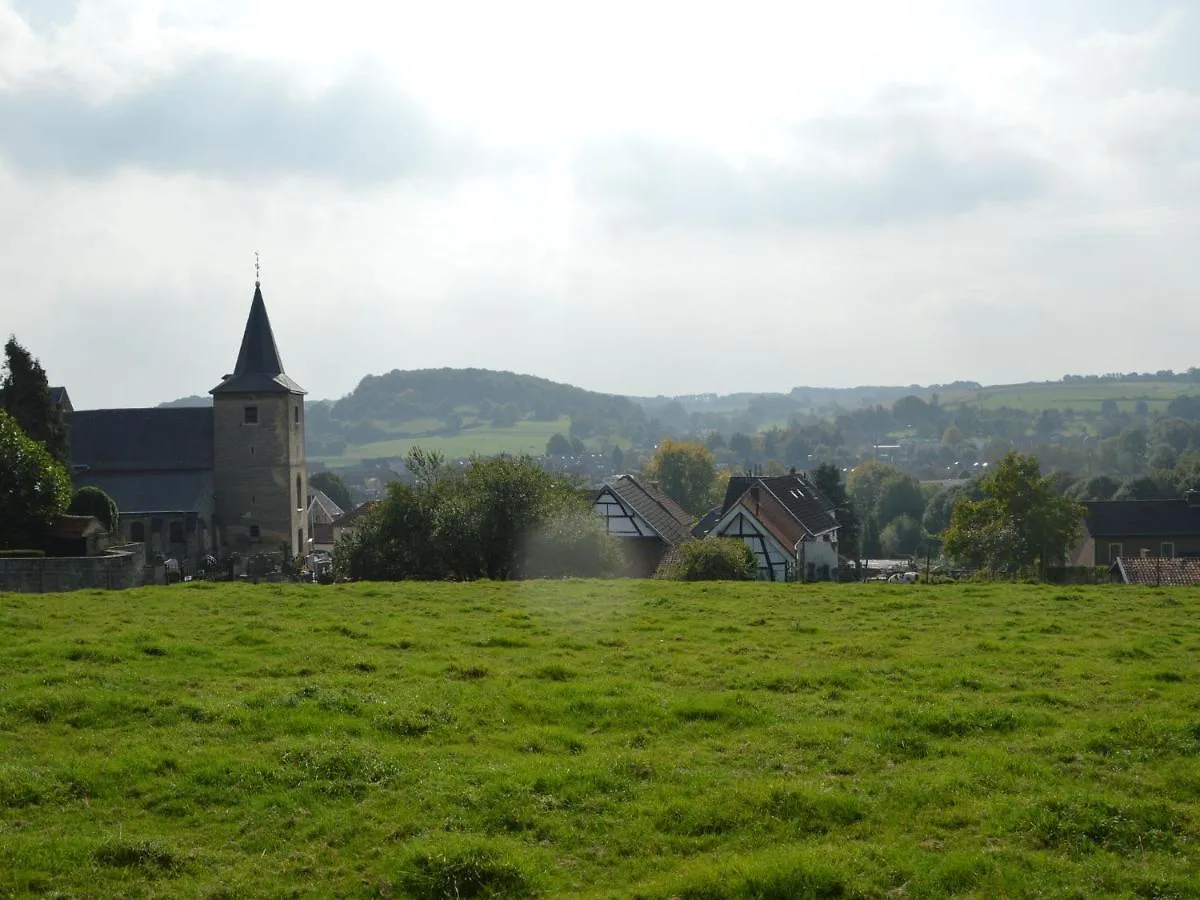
(258, 368)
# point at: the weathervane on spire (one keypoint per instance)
(257, 270)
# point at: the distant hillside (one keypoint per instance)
(194, 400)
(464, 409)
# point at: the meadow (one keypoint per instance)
(601, 739)
(524, 437)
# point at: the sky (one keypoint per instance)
(634, 197)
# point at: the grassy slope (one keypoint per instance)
(526, 436)
(1080, 397)
(601, 739)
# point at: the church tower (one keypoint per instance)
(259, 469)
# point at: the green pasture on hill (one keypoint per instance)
(525, 437)
(601, 739)
(1079, 396)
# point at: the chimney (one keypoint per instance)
(754, 497)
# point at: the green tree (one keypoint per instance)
(34, 487)
(828, 479)
(938, 509)
(686, 473)
(1098, 487)
(899, 495)
(558, 445)
(332, 485)
(1021, 522)
(901, 537)
(91, 501)
(618, 459)
(25, 395)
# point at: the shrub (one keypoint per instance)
(91, 501)
(34, 488)
(712, 559)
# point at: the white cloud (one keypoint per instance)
(642, 198)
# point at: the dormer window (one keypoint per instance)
(250, 415)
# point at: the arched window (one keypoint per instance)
(137, 532)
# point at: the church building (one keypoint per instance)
(204, 481)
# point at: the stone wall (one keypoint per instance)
(120, 568)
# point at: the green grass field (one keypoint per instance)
(526, 436)
(601, 739)
(1080, 396)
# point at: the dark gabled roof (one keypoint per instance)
(663, 514)
(707, 522)
(60, 398)
(159, 439)
(1156, 570)
(353, 516)
(1142, 518)
(797, 494)
(259, 369)
(323, 503)
(142, 493)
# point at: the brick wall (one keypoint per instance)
(120, 568)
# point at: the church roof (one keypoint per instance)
(139, 440)
(143, 493)
(258, 369)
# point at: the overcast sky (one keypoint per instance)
(634, 197)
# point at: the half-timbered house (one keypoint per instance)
(786, 522)
(649, 522)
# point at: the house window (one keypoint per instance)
(255, 533)
(156, 526)
(176, 533)
(250, 415)
(1167, 549)
(137, 533)
(1114, 550)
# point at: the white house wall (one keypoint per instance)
(619, 519)
(772, 560)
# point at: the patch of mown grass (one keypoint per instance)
(600, 739)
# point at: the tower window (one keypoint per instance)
(250, 415)
(299, 494)
(296, 414)
(255, 532)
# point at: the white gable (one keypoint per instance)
(620, 519)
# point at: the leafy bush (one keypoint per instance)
(712, 559)
(34, 487)
(91, 501)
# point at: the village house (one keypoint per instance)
(1134, 528)
(649, 523)
(785, 520)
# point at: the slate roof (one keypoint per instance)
(1155, 570)
(353, 516)
(141, 493)
(258, 369)
(665, 516)
(795, 492)
(1142, 518)
(707, 522)
(159, 439)
(322, 510)
(60, 398)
